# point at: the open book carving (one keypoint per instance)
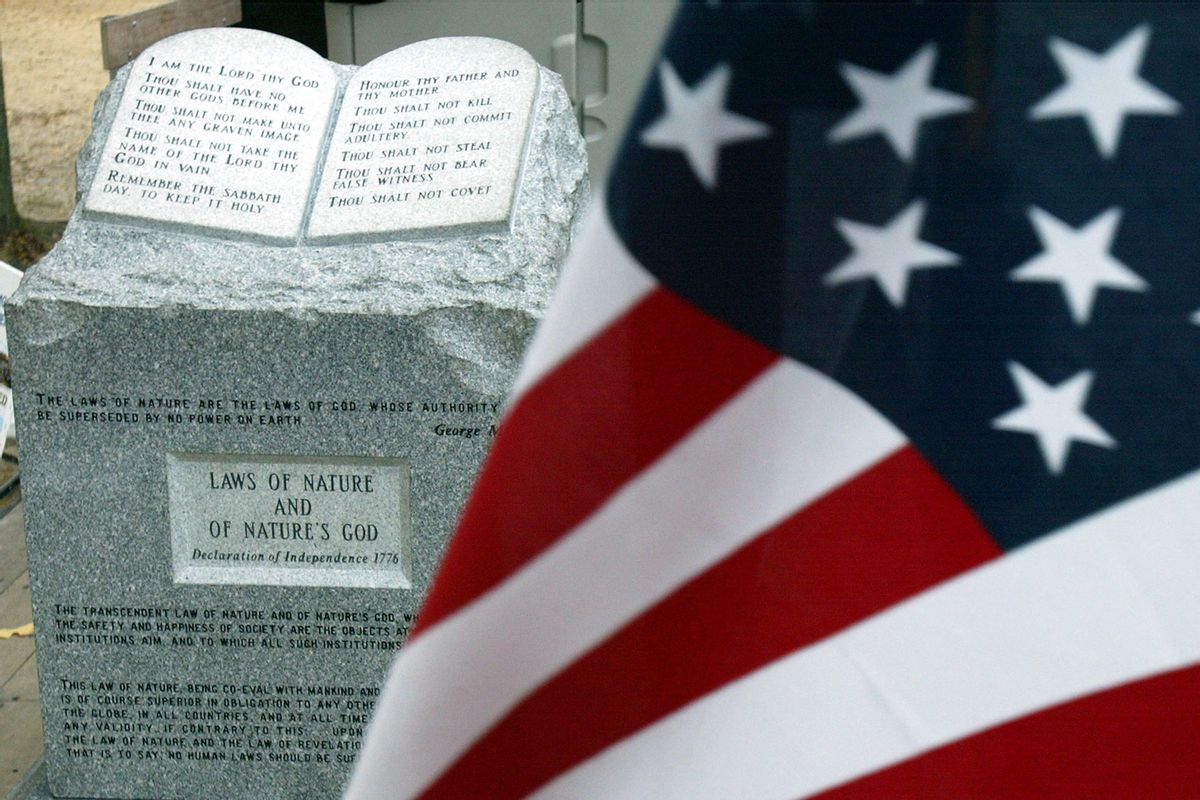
(245, 133)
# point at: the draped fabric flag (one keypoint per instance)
(860, 453)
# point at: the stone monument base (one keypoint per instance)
(256, 378)
(34, 786)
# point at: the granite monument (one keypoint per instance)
(255, 381)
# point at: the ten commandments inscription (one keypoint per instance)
(226, 131)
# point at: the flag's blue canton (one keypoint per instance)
(758, 247)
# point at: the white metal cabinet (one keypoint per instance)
(603, 48)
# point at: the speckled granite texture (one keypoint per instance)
(134, 345)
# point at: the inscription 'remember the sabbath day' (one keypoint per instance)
(218, 129)
(289, 520)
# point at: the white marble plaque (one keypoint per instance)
(430, 140)
(218, 129)
(290, 520)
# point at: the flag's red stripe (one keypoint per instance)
(1140, 740)
(586, 428)
(891, 532)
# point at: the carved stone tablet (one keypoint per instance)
(430, 139)
(218, 129)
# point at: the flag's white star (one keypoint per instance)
(1053, 414)
(1078, 260)
(888, 253)
(896, 105)
(1195, 317)
(1104, 88)
(697, 123)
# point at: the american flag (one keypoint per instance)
(859, 454)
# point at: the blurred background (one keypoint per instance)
(52, 74)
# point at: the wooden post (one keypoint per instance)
(8, 206)
(123, 38)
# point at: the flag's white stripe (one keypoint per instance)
(1108, 600)
(600, 281)
(789, 437)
